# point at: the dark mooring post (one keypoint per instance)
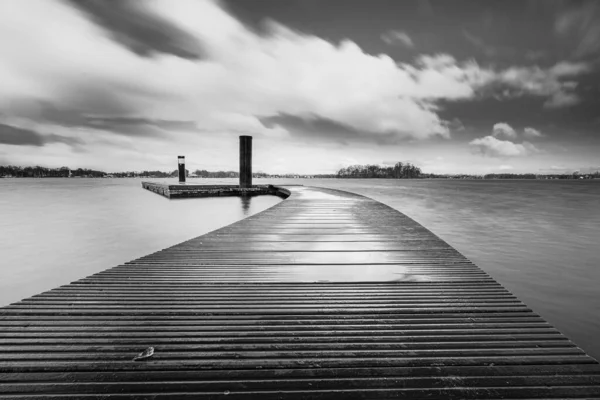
(245, 161)
(181, 165)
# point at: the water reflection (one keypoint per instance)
(50, 235)
(246, 204)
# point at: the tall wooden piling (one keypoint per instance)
(245, 161)
(181, 166)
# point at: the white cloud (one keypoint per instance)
(493, 147)
(505, 167)
(532, 132)
(502, 129)
(566, 68)
(52, 53)
(394, 37)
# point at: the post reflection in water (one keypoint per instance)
(246, 204)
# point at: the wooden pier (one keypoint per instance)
(327, 295)
(180, 191)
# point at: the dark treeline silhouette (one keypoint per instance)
(145, 174)
(574, 175)
(510, 176)
(398, 171)
(66, 172)
(450, 176)
(216, 174)
(43, 172)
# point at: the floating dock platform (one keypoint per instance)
(326, 295)
(186, 190)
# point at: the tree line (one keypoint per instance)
(44, 172)
(66, 172)
(398, 171)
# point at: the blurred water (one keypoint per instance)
(55, 231)
(540, 239)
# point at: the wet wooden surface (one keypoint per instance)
(326, 295)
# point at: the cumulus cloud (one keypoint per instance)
(502, 129)
(394, 37)
(501, 142)
(492, 147)
(532, 133)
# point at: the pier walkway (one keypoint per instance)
(326, 295)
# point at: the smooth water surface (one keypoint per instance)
(55, 231)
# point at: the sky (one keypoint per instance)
(452, 86)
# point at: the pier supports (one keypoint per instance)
(181, 166)
(245, 161)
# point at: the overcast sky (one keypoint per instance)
(453, 86)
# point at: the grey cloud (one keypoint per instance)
(138, 29)
(327, 129)
(554, 83)
(47, 112)
(425, 8)
(394, 37)
(487, 49)
(68, 107)
(454, 125)
(116, 122)
(562, 99)
(16, 136)
(581, 22)
(535, 55)
(532, 132)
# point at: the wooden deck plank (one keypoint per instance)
(326, 295)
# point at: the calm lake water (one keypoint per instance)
(540, 239)
(55, 231)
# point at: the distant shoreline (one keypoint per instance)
(399, 171)
(458, 177)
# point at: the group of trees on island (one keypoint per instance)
(398, 171)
